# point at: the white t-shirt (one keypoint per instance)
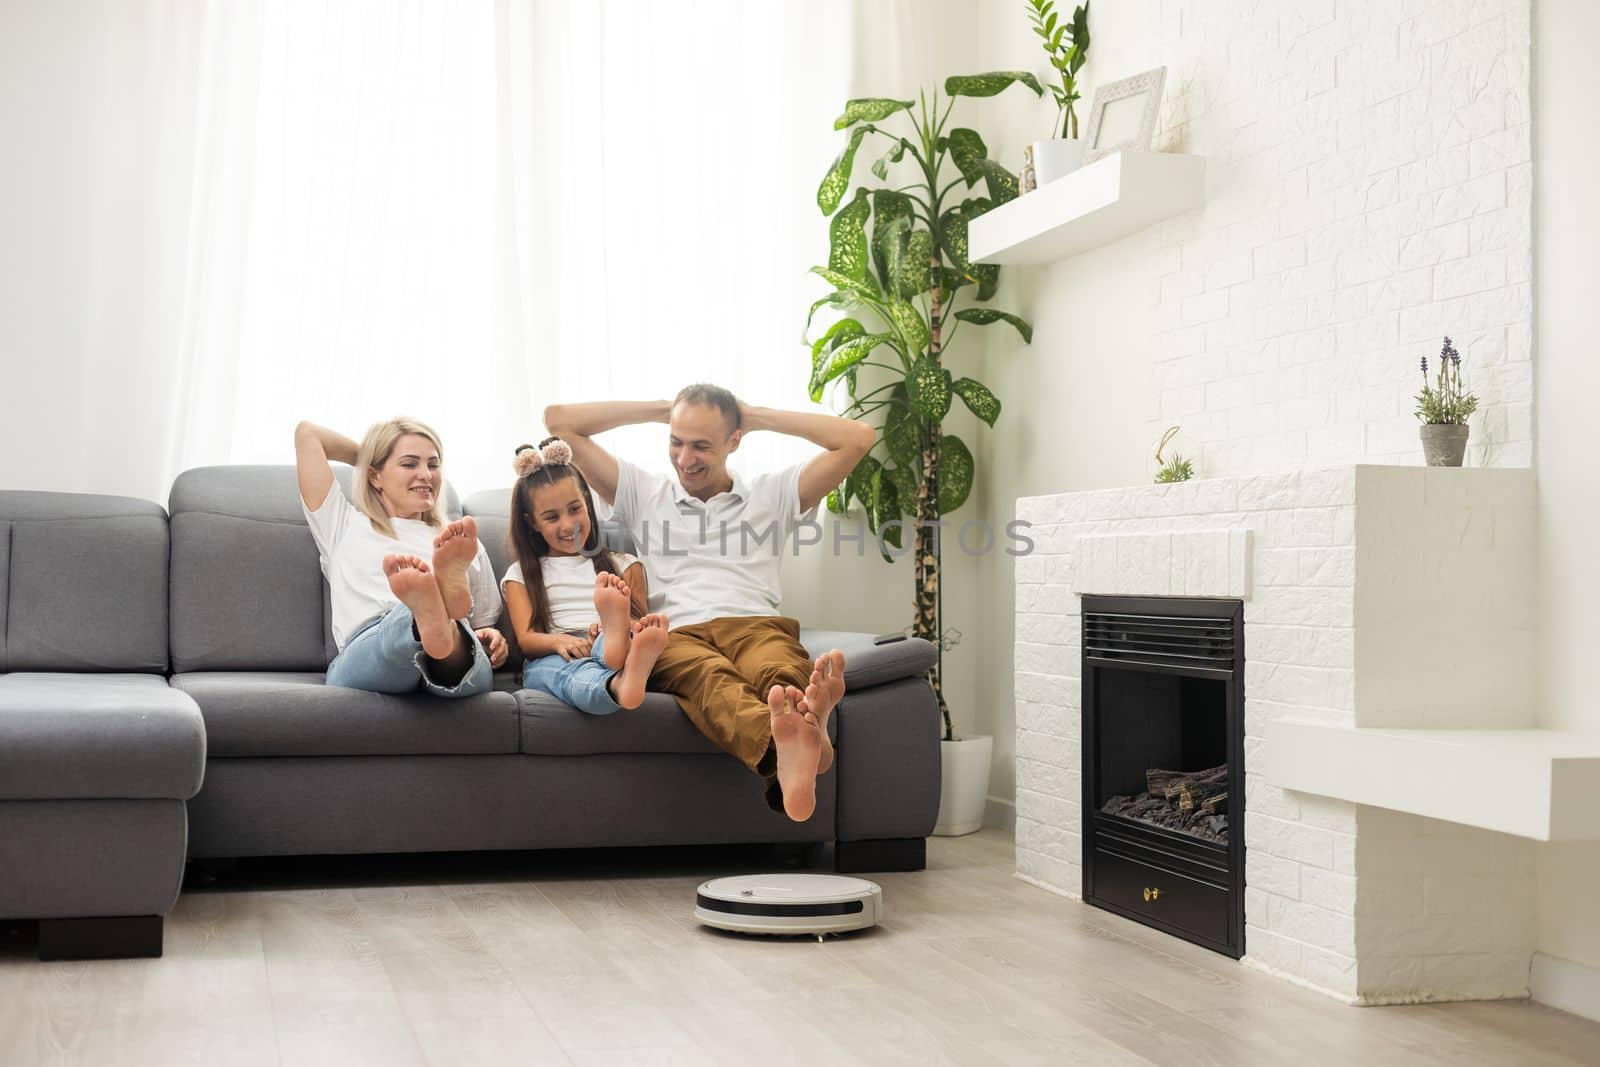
(569, 582)
(352, 560)
(713, 559)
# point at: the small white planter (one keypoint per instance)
(1056, 159)
(964, 784)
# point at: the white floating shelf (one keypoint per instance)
(1543, 784)
(1093, 206)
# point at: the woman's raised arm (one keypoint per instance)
(314, 447)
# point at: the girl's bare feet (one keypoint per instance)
(611, 601)
(822, 695)
(453, 552)
(413, 585)
(649, 638)
(795, 736)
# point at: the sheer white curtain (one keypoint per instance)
(468, 211)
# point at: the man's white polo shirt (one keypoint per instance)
(712, 559)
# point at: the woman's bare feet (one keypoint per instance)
(822, 695)
(453, 552)
(795, 736)
(611, 601)
(649, 638)
(413, 585)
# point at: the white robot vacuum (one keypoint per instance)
(789, 904)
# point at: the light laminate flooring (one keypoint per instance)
(594, 959)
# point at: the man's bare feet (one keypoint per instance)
(453, 552)
(412, 583)
(611, 595)
(795, 736)
(822, 695)
(649, 638)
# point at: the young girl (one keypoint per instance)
(573, 602)
(400, 620)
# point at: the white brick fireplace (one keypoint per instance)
(1384, 597)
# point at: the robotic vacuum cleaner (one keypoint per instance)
(789, 904)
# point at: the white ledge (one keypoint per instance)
(1094, 205)
(1543, 784)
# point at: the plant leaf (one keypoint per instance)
(834, 183)
(955, 473)
(836, 501)
(953, 239)
(841, 300)
(858, 483)
(1002, 183)
(979, 400)
(843, 357)
(847, 238)
(912, 326)
(991, 83)
(892, 217)
(869, 109)
(985, 316)
(967, 151)
(900, 432)
(861, 289)
(836, 335)
(905, 487)
(987, 276)
(897, 152)
(928, 388)
(913, 274)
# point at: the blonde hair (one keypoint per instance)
(376, 447)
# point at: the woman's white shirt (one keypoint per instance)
(352, 554)
(569, 582)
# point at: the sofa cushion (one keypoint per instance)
(247, 591)
(281, 713)
(84, 586)
(93, 736)
(866, 664)
(552, 728)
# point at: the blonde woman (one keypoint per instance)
(414, 597)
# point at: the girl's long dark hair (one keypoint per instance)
(528, 544)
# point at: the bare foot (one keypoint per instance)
(649, 638)
(453, 552)
(611, 601)
(822, 695)
(794, 735)
(412, 583)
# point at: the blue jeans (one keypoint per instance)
(579, 682)
(385, 657)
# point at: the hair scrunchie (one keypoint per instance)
(556, 452)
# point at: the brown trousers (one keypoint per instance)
(721, 671)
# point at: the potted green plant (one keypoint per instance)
(1443, 409)
(1067, 45)
(1173, 468)
(899, 269)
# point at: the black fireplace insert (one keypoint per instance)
(1163, 764)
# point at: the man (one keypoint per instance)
(711, 541)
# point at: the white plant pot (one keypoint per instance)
(1056, 159)
(963, 784)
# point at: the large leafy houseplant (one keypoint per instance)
(898, 263)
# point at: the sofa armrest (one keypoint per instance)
(866, 664)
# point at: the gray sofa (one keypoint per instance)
(235, 636)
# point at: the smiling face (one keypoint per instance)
(699, 445)
(411, 479)
(561, 517)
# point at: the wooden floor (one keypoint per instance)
(594, 959)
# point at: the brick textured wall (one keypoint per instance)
(1369, 184)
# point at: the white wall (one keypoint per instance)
(1567, 226)
(91, 262)
(1368, 191)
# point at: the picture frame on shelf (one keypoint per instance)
(1123, 115)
